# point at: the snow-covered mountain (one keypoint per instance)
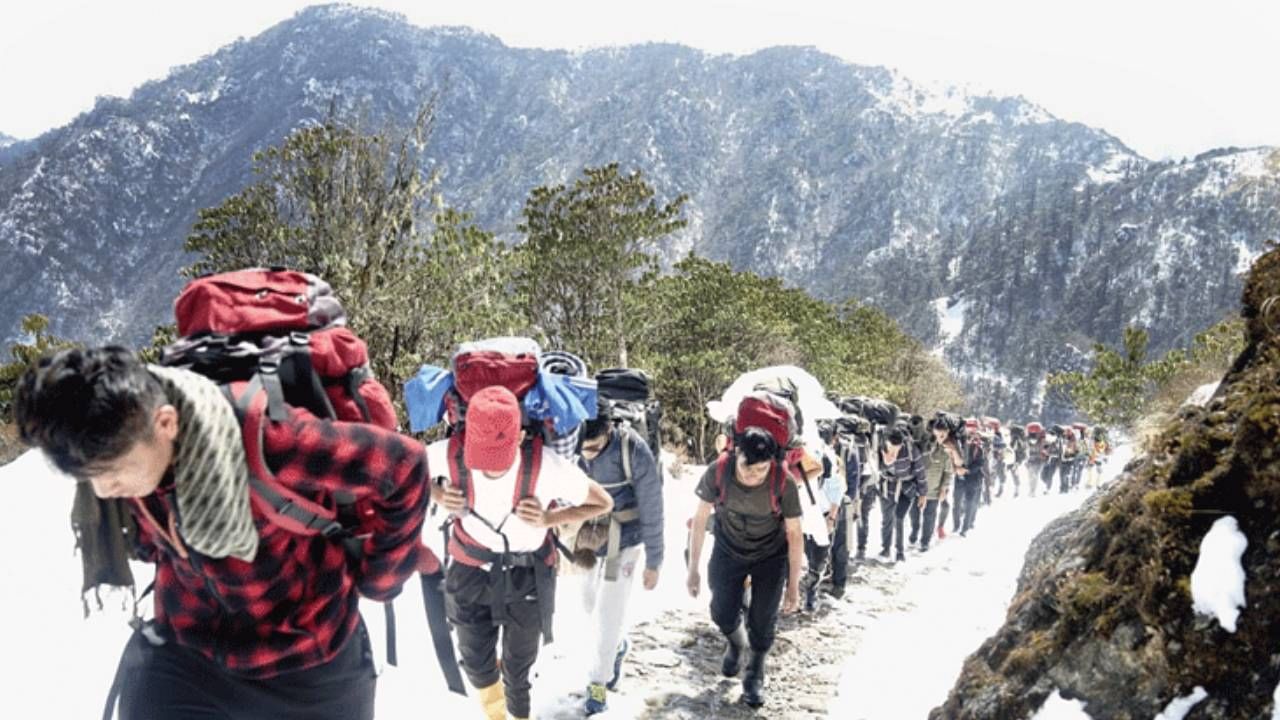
(850, 180)
(7, 140)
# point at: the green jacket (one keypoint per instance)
(939, 471)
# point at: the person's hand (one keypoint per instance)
(791, 604)
(650, 578)
(942, 496)
(453, 500)
(530, 511)
(694, 583)
(922, 502)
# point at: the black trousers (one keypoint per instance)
(1047, 473)
(726, 575)
(172, 682)
(968, 497)
(944, 507)
(930, 514)
(817, 556)
(840, 548)
(893, 513)
(864, 522)
(468, 603)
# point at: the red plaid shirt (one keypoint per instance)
(296, 604)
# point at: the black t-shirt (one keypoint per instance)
(745, 524)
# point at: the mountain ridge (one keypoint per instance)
(849, 180)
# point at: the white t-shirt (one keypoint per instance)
(559, 480)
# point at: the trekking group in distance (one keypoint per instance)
(260, 466)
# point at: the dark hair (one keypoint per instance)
(895, 436)
(757, 445)
(597, 426)
(86, 407)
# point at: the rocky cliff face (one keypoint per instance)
(1103, 611)
(983, 224)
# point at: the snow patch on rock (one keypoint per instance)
(1217, 583)
(1179, 707)
(1057, 707)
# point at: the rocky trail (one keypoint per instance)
(890, 648)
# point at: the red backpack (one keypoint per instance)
(509, 362)
(275, 339)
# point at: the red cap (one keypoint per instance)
(492, 434)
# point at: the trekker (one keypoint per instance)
(1069, 453)
(1097, 456)
(619, 460)
(1037, 454)
(1018, 447)
(868, 486)
(1051, 451)
(999, 463)
(757, 536)
(500, 488)
(253, 617)
(827, 499)
(969, 484)
(940, 462)
(902, 482)
(842, 538)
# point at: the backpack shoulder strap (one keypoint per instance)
(724, 470)
(530, 468)
(779, 486)
(627, 476)
(278, 503)
(459, 475)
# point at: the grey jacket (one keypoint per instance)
(644, 493)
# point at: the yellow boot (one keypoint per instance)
(493, 700)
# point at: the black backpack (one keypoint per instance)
(879, 412)
(952, 422)
(627, 396)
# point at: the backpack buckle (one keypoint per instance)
(300, 339)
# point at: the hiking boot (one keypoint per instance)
(861, 555)
(493, 701)
(753, 680)
(597, 697)
(901, 557)
(837, 591)
(617, 665)
(924, 547)
(884, 554)
(732, 662)
(913, 538)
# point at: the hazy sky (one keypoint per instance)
(1167, 78)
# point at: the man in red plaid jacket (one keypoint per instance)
(267, 626)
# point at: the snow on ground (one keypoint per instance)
(908, 626)
(1059, 708)
(1275, 707)
(1217, 583)
(1201, 396)
(950, 318)
(953, 598)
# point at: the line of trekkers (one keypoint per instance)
(785, 512)
(259, 466)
